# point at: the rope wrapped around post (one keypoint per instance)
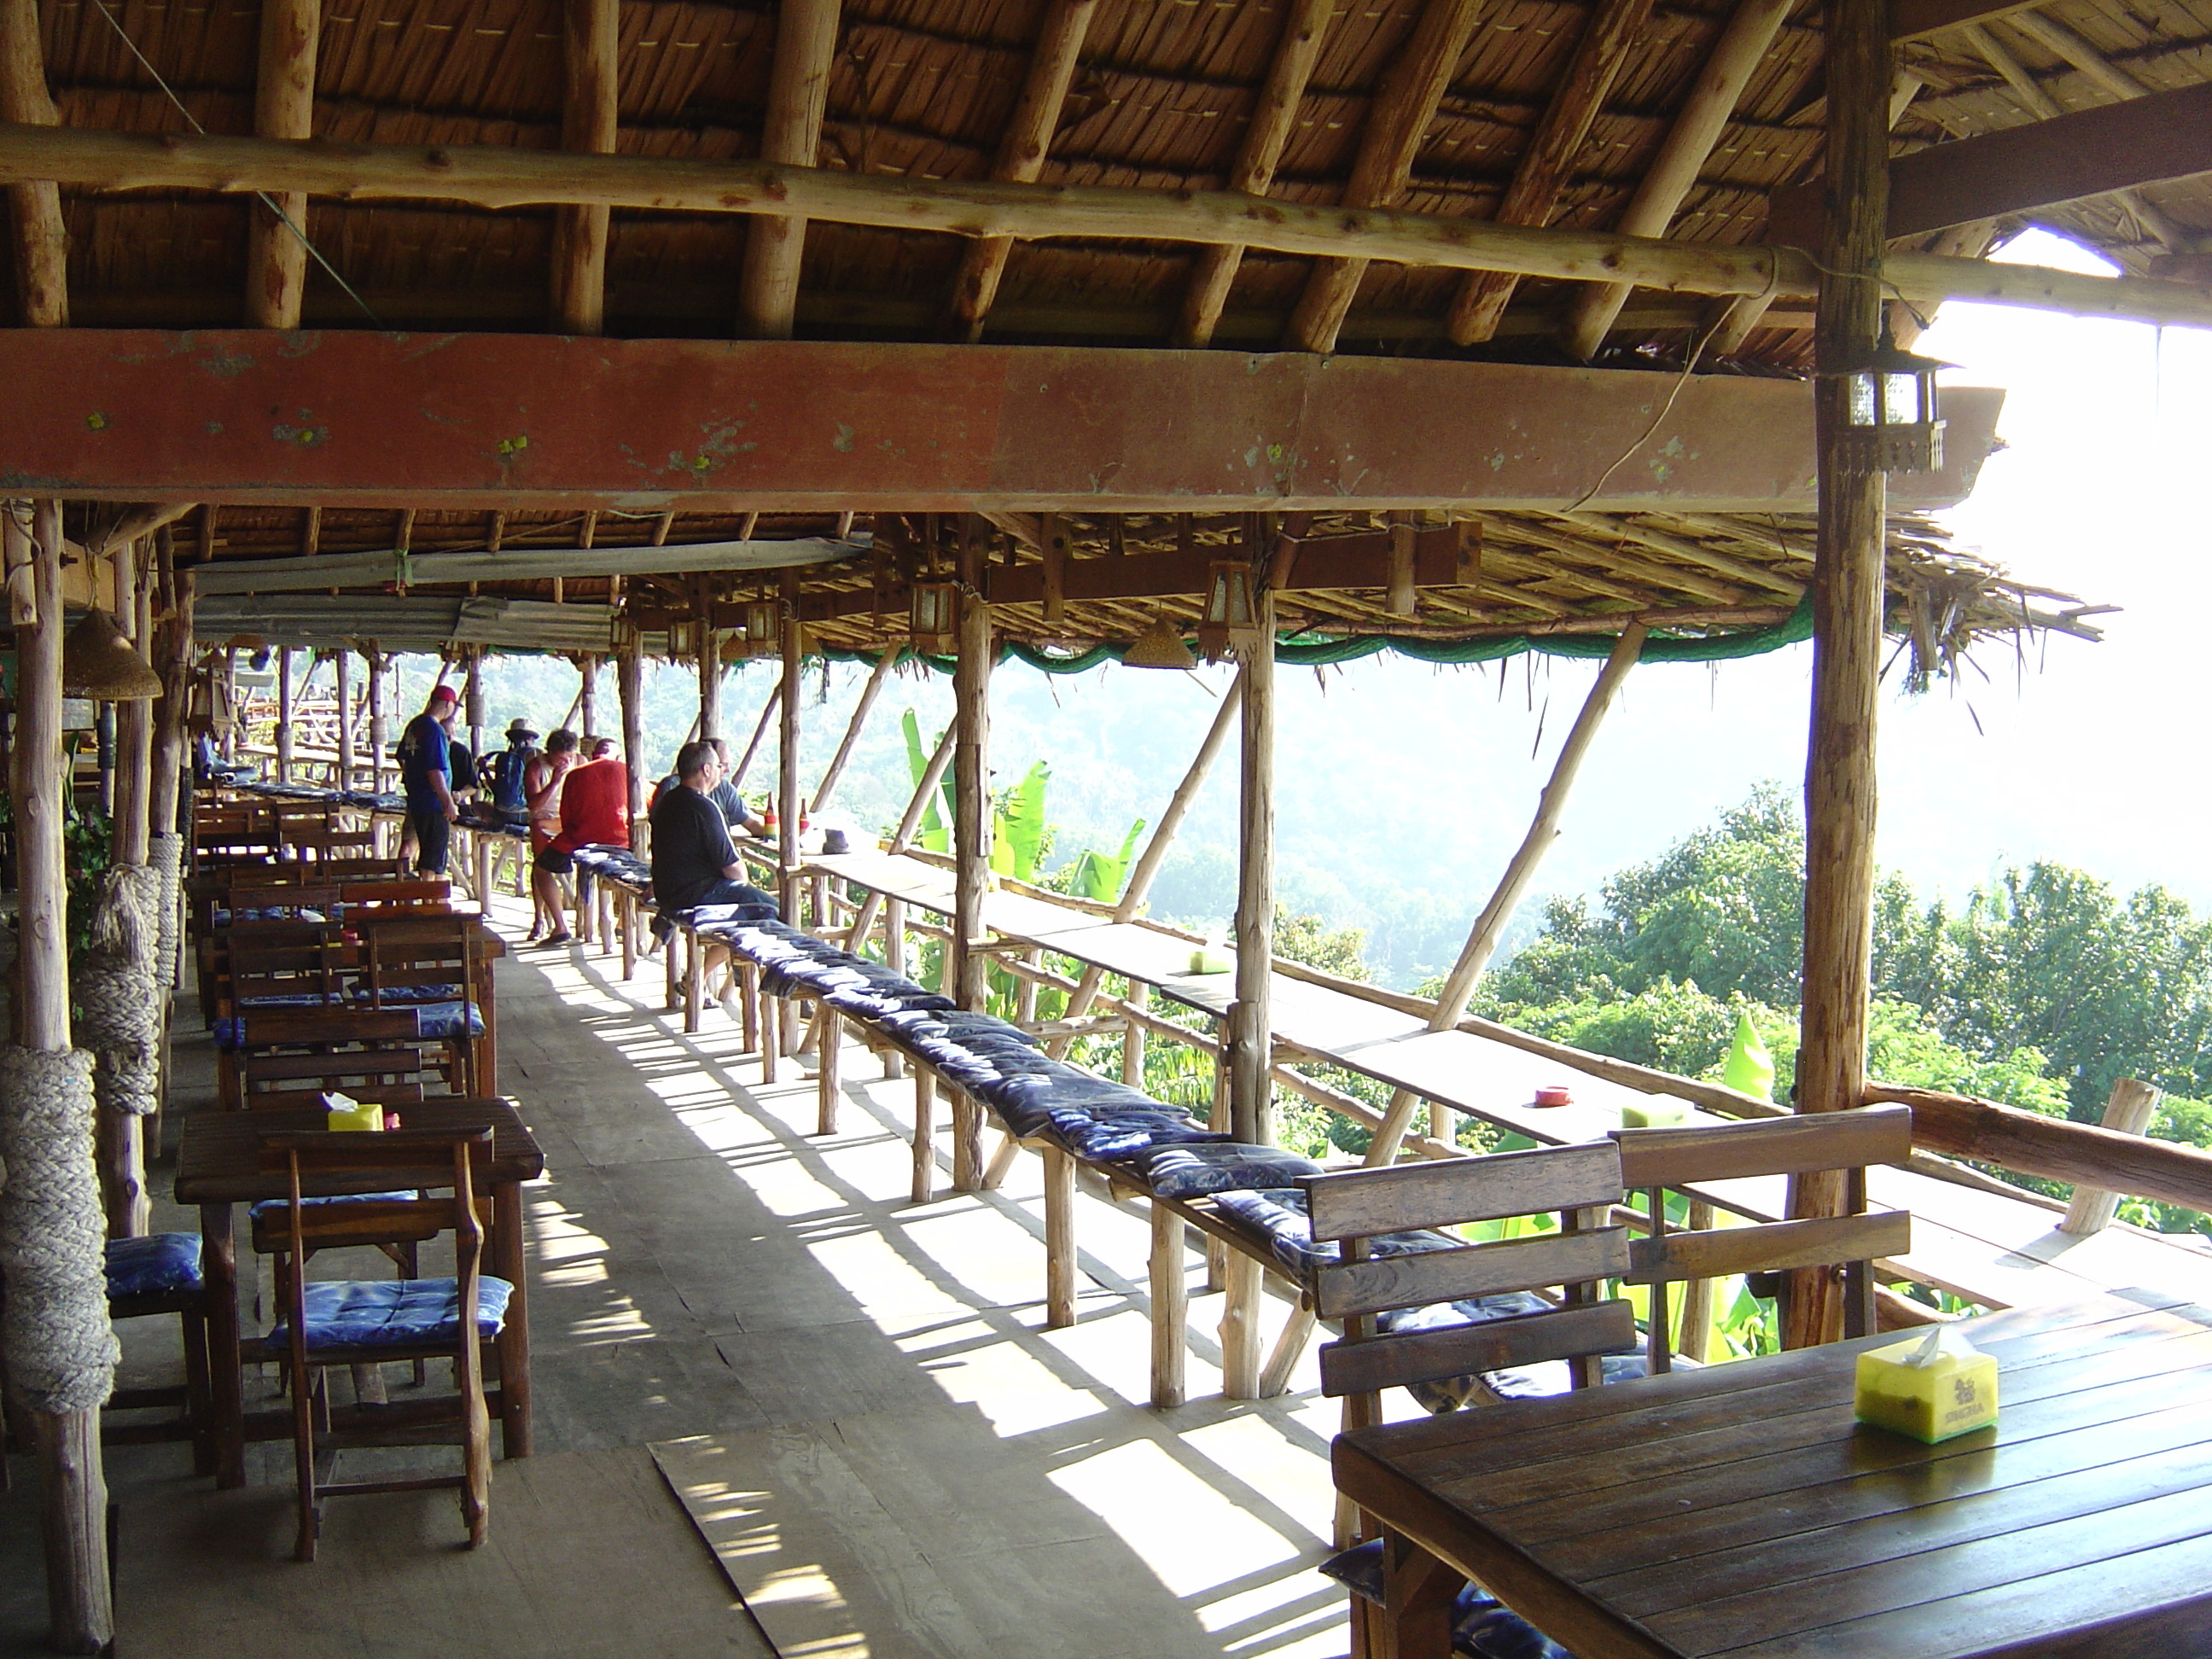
(117, 998)
(61, 1347)
(166, 853)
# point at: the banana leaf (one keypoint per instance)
(1017, 827)
(1100, 877)
(932, 834)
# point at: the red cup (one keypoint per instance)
(1555, 1094)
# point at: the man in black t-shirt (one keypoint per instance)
(693, 861)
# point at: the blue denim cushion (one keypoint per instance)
(407, 996)
(391, 1313)
(450, 1019)
(1225, 1166)
(1108, 1140)
(262, 1207)
(1278, 1215)
(160, 1264)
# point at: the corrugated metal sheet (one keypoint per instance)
(414, 623)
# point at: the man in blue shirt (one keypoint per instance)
(425, 775)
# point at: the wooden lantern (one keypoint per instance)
(935, 618)
(1231, 624)
(1891, 418)
(763, 625)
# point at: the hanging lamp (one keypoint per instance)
(98, 662)
(1159, 646)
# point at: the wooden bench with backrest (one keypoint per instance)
(1693, 1160)
(437, 962)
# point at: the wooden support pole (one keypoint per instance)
(1402, 596)
(760, 735)
(376, 662)
(591, 39)
(343, 668)
(2128, 1111)
(134, 721)
(710, 660)
(1847, 603)
(1213, 272)
(229, 702)
(1022, 152)
(1673, 174)
(869, 692)
(1058, 1239)
(798, 94)
(283, 107)
(787, 795)
(1251, 1096)
(283, 713)
(971, 775)
(73, 1493)
(1520, 870)
(1616, 32)
(587, 699)
(629, 688)
(473, 703)
(166, 791)
(40, 239)
(1170, 1307)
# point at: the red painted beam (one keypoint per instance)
(510, 421)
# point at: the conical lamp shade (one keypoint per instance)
(98, 662)
(1159, 646)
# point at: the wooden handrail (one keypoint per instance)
(2053, 1148)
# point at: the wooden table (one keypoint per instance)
(218, 1166)
(1738, 1511)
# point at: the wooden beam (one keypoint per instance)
(1923, 20)
(789, 801)
(1698, 126)
(498, 177)
(710, 658)
(1267, 133)
(590, 45)
(1398, 117)
(629, 688)
(283, 107)
(1847, 603)
(285, 713)
(798, 94)
(1615, 33)
(1022, 152)
(40, 239)
(971, 775)
(2128, 1111)
(877, 676)
(173, 658)
(901, 428)
(343, 670)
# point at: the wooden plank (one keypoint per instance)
(1356, 1203)
(1411, 1281)
(1722, 1152)
(1498, 1344)
(39, 239)
(1724, 1251)
(2055, 1148)
(1922, 20)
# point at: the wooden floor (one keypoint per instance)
(853, 1396)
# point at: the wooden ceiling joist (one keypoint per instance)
(1923, 20)
(590, 42)
(283, 107)
(798, 93)
(482, 422)
(493, 177)
(1022, 153)
(1616, 30)
(40, 239)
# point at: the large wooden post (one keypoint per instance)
(57, 1311)
(283, 107)
(134, 720)
(472, 704)
(587, 696)
(1847, 595)
(377, 737)
(1250, 1031)
(787, 793)
(343, 664)
(169, 714)
(285, 713)
(630, 687)
(971, 775)
(710, 662)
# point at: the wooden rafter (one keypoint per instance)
(590, 52)
(798, 93)
(1698, 126)
(1022, 152)
(1617, 28)
(41, 241)
(1397, 119)
(1305, 27)
(283, 107)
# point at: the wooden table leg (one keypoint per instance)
(226, 1382)
(924, 1136)
(513, 1339)
(967, 1142)
(626, 916)
(1058, 1239)
(749, 1003)
(1418, 1591)
(825, 1069)
(695, 978)
(771, 1037)
(1170, 1307)
(671, 947)
(1240, 1327)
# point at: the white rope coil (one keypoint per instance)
(119, 1005)
(167, 855)
(61, 1346)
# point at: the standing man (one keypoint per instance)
(425, 776)
(693, 860)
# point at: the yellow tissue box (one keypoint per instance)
(1657, 1113)
(346, 1113)
(1955, 1394)
(1203, 961)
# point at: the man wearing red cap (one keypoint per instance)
(425, 775)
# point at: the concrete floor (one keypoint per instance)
(853, 1396)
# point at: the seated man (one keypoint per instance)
(724, 794)
(694, 862)
(592, 810)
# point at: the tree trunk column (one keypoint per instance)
(786, 792)
(60, 1350)
(283, 714)
(630, 687)
(710, 665)
(971, 777)
(344, 670)
(1847, 597)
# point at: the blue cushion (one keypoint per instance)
(1483, 1627)
(161, 1264)
(1278, 1215)
(1194, 1171)
(1125, 1134)
(392, 1313)
(405, 996)
(262, 1207)
(450, 1019)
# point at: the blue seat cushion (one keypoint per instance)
(1277, 1216)
(1221, 1167)
(160, 1264)
(1522, 1382)
(450, 1019)
(394, 1313)
(1483, 1627)
(262, 1207)
(1106, 1139)
(407, 996)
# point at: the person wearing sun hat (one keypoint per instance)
(507, 770)
(425, 776)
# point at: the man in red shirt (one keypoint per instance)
(594, 812)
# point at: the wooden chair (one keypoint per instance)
(408, 960)
(154, 1275)
(1654, 1161)
(1582, 1183)
(425, 1319)
(357, 1037)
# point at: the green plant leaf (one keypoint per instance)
(1017, 827)
(931, 833)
